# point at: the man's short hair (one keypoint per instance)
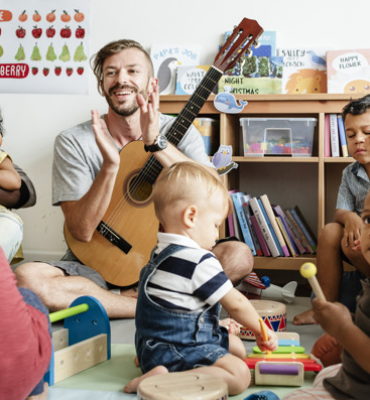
(112, 48)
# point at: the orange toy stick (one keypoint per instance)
(264, 333)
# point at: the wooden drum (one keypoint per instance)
(182, 386)
(273, 314)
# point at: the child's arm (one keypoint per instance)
(352, 224)
(242, 310)
(9, 177)
(337, 321)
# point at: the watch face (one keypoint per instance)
(162, 141)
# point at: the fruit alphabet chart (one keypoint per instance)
(45, 46)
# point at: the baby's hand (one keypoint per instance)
(271, 344)
(231, 325)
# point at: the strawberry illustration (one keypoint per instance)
(80, 70)
(21, 32)
(35, 70)
(69, 71)
(66, 32)
(36, 32)
(50, 32)
(45, 71)
(80, 32)
(58, 71)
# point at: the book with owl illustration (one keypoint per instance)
(348, 71)
(304, 70)
(166, 58)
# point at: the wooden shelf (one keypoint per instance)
(322, 173)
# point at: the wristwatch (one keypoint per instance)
(160, 143)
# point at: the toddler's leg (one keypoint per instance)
(232, 370)
(236, 347)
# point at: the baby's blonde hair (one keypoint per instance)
(186, 181)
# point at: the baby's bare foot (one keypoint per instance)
(132, 386)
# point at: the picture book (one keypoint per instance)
(301, 236)
(166, 58)
(348, 71)
(286, 236)
(327, 151)
(304, 70)
(246, 208)
(260, 72)
(189, 77)
(230, 219)
(334, 135)
(270, 213)
(290, 229)
(238, 205)
(302, 223)
(342, 136)
(271, 229)
(257, 212)
(261, 239)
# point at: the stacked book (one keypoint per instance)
(269, 230)
(335, 140)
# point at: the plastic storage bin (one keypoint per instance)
(277, 136)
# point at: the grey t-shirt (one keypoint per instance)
(77, 158)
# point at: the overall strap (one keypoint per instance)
(163, 255)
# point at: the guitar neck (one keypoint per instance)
(184, 120)
(193, 106)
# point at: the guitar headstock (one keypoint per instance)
(241, 39)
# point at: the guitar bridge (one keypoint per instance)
(111, 235)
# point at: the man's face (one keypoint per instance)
(126, 74)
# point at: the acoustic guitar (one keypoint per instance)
(124, 239)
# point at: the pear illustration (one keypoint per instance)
(80, 54)
(36, 56)
(50, 55)
(20, 54)
(65, 56)
(1, 51)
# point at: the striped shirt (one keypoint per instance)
(190, 280)
(353, 188)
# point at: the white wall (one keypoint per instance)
(33, 121)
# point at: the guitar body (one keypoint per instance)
(121, 245)
(129, 215)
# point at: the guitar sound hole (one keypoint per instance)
(140, 191)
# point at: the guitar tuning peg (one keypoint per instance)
(249, 53)
(256, 44)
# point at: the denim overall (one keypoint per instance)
(175, 339)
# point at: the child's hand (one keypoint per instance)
(352, 230)
(231, 325)
(356, 245)
(271, 344)
(333, 317)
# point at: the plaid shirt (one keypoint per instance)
(353, 188)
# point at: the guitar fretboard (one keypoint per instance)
(153, 167)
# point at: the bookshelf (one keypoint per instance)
(310, 182)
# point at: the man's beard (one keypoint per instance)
(129, 109)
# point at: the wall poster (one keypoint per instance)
(45, 46)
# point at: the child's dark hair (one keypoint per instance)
(356, 107)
